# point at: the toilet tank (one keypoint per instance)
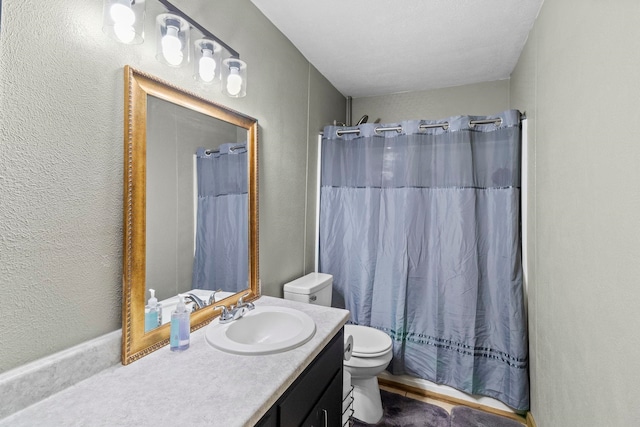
(314, 288)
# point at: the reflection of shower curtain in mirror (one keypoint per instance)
(221, 256)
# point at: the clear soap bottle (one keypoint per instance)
(152, 313)
(180, 327)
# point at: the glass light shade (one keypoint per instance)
(234, 78)
(172, 34)
(123, 20)
(207, 56)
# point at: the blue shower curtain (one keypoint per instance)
(421, 232)
(221, 255)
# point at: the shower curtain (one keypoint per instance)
(221, 255)
(421, 232)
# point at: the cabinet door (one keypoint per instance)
(327, 412)
(296, 405)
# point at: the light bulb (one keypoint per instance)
(234, 81)
(207, 66)
(122, 14)
(172, 46)
(125, 33)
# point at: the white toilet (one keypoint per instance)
(372, 349)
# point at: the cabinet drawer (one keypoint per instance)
(310, 386)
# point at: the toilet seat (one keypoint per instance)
(368, 342)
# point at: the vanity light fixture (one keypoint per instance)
(123, 20)
(232, 66)
(172, 34)
(206, 62)
(234, 77)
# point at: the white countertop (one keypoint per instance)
(200, 386)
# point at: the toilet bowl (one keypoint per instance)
(372, 349)
(372, 352)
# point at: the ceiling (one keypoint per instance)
(377, 47)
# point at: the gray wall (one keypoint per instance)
(61, 156)
(578, 81)
(475, 99)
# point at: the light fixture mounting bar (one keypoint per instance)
(195, 24)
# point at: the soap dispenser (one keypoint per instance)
(180, 327)
(152, 313)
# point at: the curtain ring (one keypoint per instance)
(381, 129)
(496, 122)
(340, 132)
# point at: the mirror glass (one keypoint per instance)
(197, 208)
(190, 209)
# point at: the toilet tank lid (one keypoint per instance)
(309, 284)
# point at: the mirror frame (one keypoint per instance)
(137, 86)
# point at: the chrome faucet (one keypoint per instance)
(197, 301)
(225, 316)
(234, 312)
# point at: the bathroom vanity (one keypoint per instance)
(206, 386)
(315, 399)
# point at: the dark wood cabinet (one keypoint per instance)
(270, 419)
(315, 398)
(327, 411)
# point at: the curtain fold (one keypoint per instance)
(221, 254)
(421, 231)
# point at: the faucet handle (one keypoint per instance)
(247, 305)
(225, 313)
(212, 297)
(240, 302)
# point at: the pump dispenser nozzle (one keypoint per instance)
(181, 307)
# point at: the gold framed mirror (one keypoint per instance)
(169, 135)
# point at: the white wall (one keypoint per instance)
(578, 81)
(61, 157)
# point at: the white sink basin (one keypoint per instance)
(263, 330)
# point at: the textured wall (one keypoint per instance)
(476, 99)
(61, 127)
(578, 81)
(60, 169)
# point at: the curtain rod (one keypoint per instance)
(231, 149)
(444, 126)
